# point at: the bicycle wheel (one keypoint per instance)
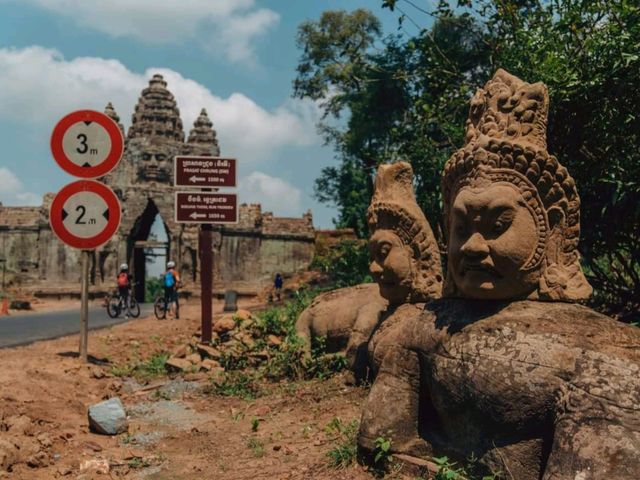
(113, 307)
(159, 308)
(134, 308)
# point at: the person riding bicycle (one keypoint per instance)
(171, 283)
(124, 283)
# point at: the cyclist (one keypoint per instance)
(171, 283)
(124, 286)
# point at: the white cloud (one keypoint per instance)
(12, 191)
(230, 27)
(273, 193)
(38, 86)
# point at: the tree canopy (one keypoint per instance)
(406, 96)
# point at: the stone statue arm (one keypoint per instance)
(597, 424)
(303, 328)
(391, 409)
(367, 318)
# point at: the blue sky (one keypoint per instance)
(237, 58)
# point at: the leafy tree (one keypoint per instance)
(407, 97)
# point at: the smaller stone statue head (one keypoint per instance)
(512, 212)
(405, 261)
(154, 163)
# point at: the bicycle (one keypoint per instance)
(116, 305)
(161, 307)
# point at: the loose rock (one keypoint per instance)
(243, 314)
(108, 417)
(209, 364)
(194, 358)
(224, 325)
(178, 365)
(97, 465)
(208, 352)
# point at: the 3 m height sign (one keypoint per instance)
(87, 144)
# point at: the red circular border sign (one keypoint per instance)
(109, 163)
(58, 227)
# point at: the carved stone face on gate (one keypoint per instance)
(154, 164)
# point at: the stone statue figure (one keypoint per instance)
(405, 263)
(506, 369)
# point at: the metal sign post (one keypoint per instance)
(205, 207)
(84, 305)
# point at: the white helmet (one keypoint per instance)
(171, 264)
(124, 266)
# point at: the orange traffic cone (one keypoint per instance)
(5, 307)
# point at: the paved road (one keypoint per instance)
(23, 329)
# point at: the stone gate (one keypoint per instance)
(246, 255)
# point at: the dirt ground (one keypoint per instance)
(176, 431)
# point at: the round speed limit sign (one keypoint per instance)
(85, 214)
(87, 144)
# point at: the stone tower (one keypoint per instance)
(144, 181)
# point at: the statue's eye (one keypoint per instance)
(503, 222)
(384, 250)
(160, 158)
(499, 227)
(146, 157)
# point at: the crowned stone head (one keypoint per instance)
(512, 212)
(405, 261)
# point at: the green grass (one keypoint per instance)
(153, 367)
(256, 446)
(236, 384)
(344, 451)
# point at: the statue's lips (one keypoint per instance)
(480, 268)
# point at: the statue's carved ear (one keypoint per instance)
(556, 218)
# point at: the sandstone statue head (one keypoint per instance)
(154, 163)
(405, 261)
(512, 212)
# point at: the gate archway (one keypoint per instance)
(144, 248)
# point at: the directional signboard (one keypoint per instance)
(211, 172)
(85, 214)
(87, 144)
(206, 207)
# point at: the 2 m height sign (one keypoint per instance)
(87, 144)
(85, 214)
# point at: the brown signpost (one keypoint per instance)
(206, 172)
(206, 207)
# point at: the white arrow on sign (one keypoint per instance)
(194, 179)
(195, 215)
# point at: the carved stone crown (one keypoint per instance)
(509, 109)
(394, 207)
(506, 142)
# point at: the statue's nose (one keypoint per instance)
(476, 246)
(375, 268)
